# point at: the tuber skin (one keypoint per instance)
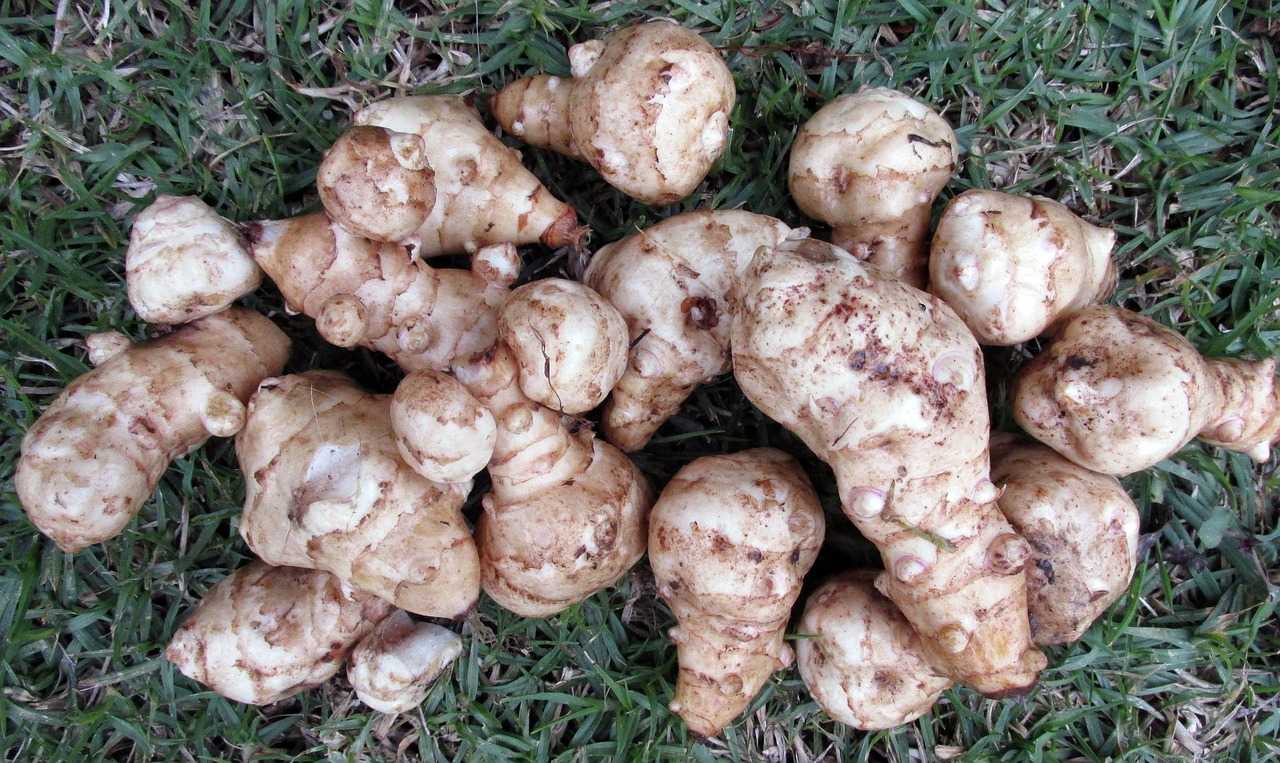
(870, 164)
(185, 262)
(730, 540)
(1013, 266)
(1083, 531)
(885, 384)
(377, 183)
(266, 633)
(483, 194)
(370, 294)
(648, 107)
(325, 488)
(392, 668)
(675, 283)
(1117, 393)
(860, 658)
(569, 342)
(442, 432)
(566, 515)
(95, 455)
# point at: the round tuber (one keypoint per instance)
(441, 431)
(377, 183)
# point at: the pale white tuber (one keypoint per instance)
(377, 183)
(441, 431)
(393, 667)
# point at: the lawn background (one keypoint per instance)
(1157, 118)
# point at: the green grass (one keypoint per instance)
(1158, 118)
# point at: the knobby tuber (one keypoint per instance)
(377, 183)
(730, 540)
(1117, 392)
(95, 455)
(1083, 531)
(185, 262)
(860, 658)
(674, 283)
(441, 431)
(393, 667)
(870, 164)
(648, 107)
(325, 488)
(885, 384)
(1013, 266)
(265, 633)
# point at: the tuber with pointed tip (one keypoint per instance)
(266, 633)
(1083, 531)
(326, 488)
(885, 384)
(95, 455)
(870, 165)
(1013, 266)
(861, 660)
(392, 668)
(730, 540)
(648, 107)
(1117, 392)
(377, 183)
(674, 283)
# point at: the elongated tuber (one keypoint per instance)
(885, 384)
(730, 540)
(1083, 531)
(96, 454)
(870, 164)
(393, 667)
(674, 283)
(185, 262)
(265, 633)
(860, 658)
(566, 516)
(1116, 393)
(483, 194)
(442, 432)
(1013, 266)
(377, 183)
(648, 107)
(325, 488)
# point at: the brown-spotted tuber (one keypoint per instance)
(95, 455)
(1013, 266)
(648, 107)
(377, 183)
(392, 668)
(730, 540)
(442, 432)
(885, 384)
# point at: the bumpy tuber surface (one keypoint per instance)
(95, 455)
(674, 283)
(442, 432)
(325, 488)
(870, 164)
(483, 194)
(885, 384)
(371, 294)
(569, 342)
(393, 667)
(1117, 393)
(730, 540)
(1083, 531)
(265, 633)
(648, 107)
(377, 183)
(566, 516)
(1013, 266)
(861, 659)
(185, 262)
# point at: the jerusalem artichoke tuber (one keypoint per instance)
(1083, 531)
(442, 432)
(377, 183)
(674, 283)
(1116, 393)
(325, 488)
(392, 668)
(1012, 266)
(648, 107)
(96, 454)
(870, 165)
(730, 540)
(885, 384)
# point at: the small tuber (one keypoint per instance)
(392, 668)
(377, 183)
(442, 432)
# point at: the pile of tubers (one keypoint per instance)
(993, 545)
